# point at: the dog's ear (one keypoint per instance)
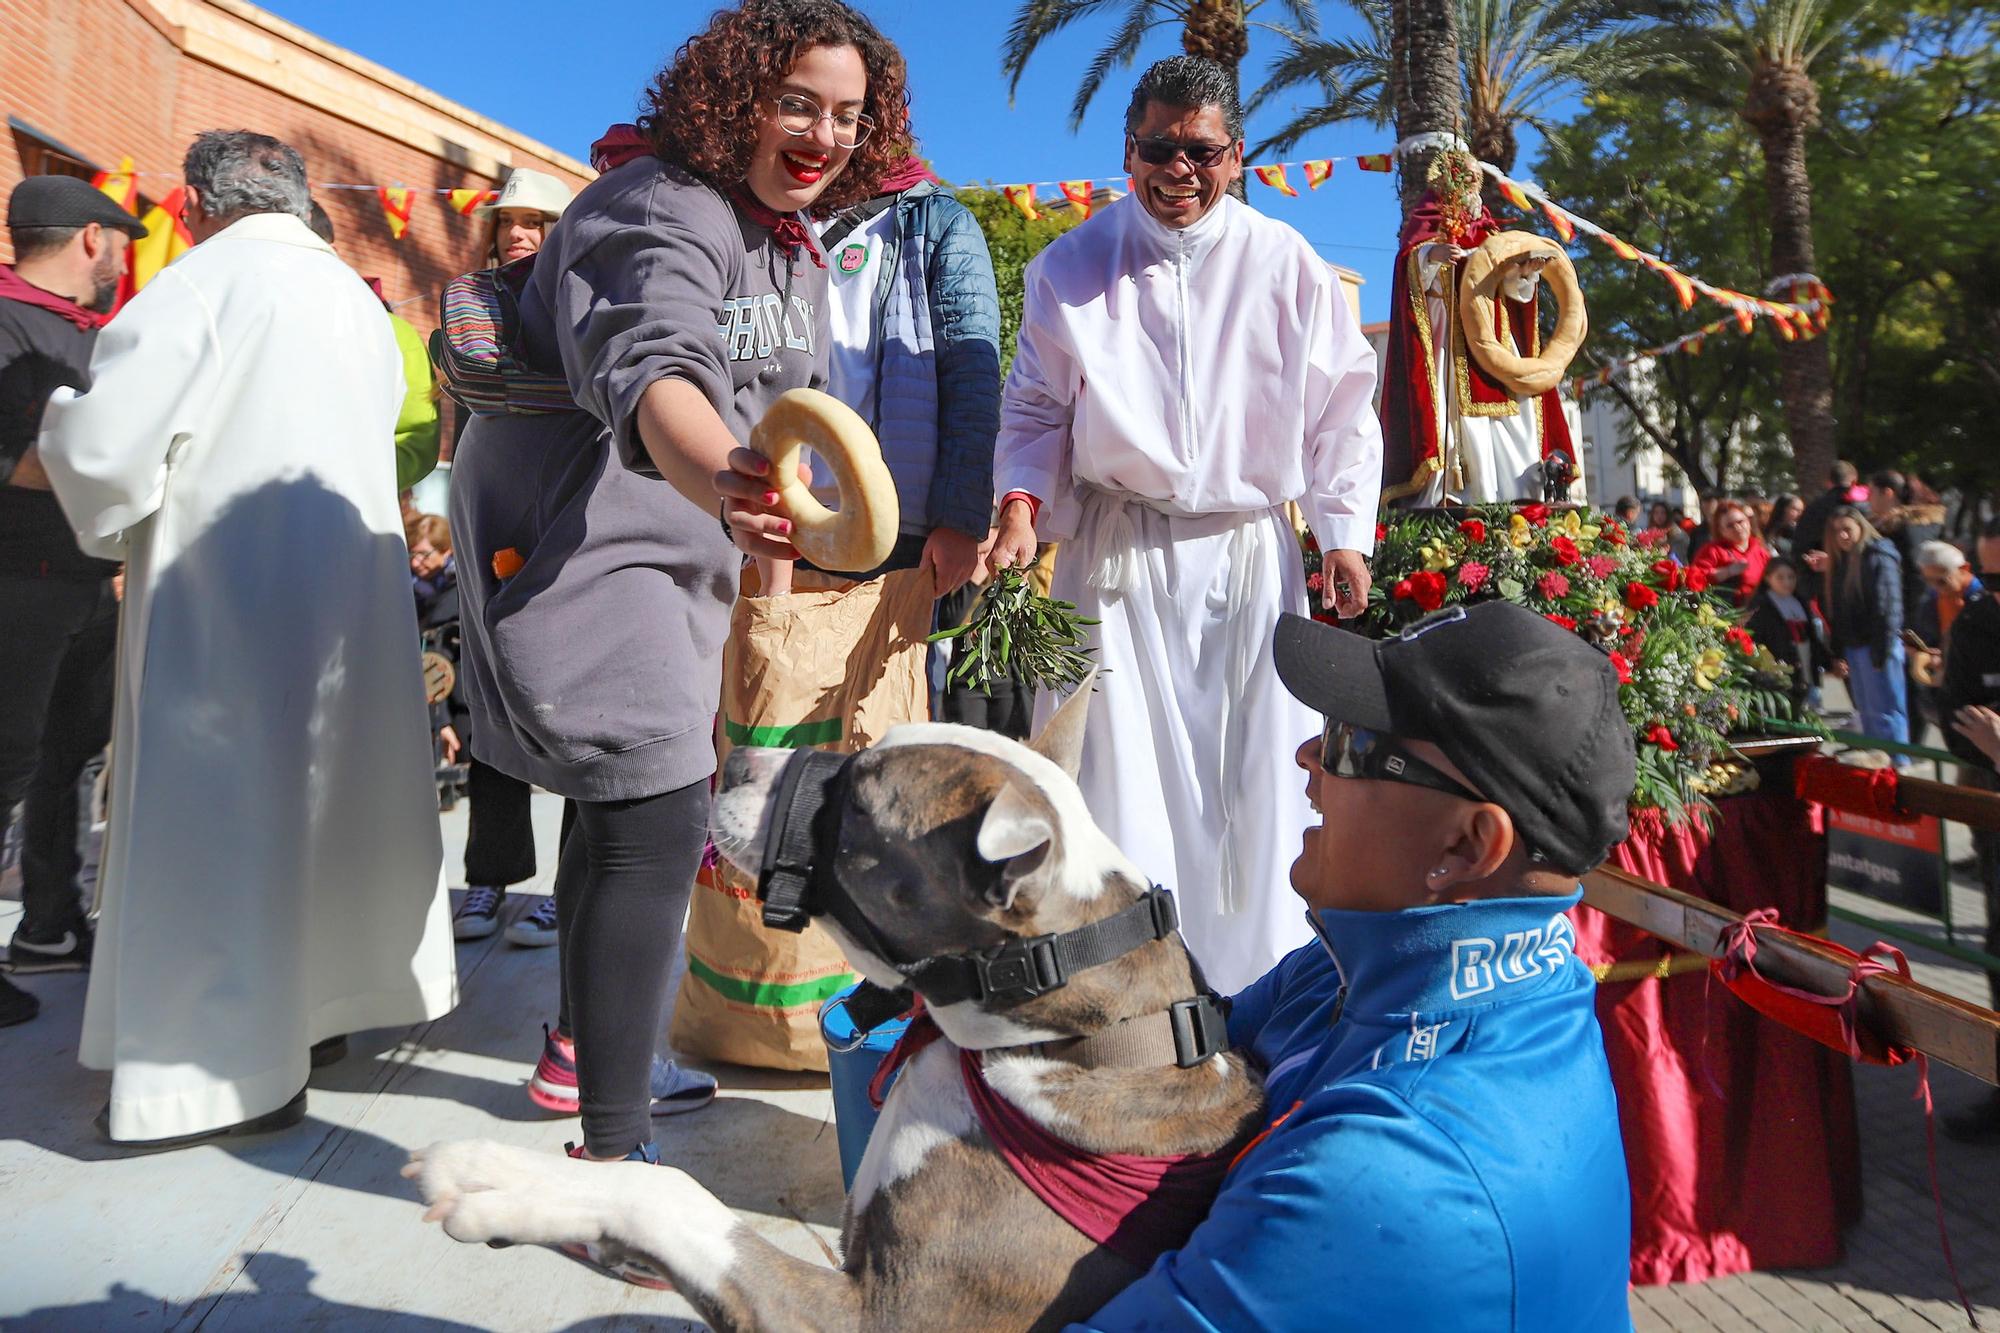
(1017, 825)
(1061, 741)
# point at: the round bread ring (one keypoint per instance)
(1480, 287)
(862, 532)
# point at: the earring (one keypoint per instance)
(1440, 872)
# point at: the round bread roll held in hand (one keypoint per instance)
(1478, 290)
(860, 534)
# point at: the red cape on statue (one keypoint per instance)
(1411, 450)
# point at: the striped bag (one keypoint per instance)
(476, 347)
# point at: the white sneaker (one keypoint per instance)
(537, 928)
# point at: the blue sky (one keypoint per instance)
(559, 76)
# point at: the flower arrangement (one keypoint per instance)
(1689, 675)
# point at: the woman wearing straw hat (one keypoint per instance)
(527, 205)
(500, 835)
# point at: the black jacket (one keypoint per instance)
(1869, 612)
(1807, 654)
(1809, 533)
(1971, 670)
(40, 351)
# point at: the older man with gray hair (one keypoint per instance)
(272, 875)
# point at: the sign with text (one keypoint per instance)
(1890, 860)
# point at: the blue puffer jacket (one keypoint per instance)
(1444, 1154)
(937, 368)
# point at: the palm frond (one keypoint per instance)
(1121, 50)
(1037, 19)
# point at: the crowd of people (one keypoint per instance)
(764, 226)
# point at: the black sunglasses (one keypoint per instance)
(1159, 152)
(1348, 751)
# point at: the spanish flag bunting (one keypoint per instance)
(122, 185)
(1693, 345)
(396, 208)
(1275, 178)
(1023, 198)
(464, 201)
(1786, 331)
(1078, 194)
(1746, 318)
(167, 239)
(1376, 161)
(1318, 171)
(1683, 289)
(1560, 221)
(1618, 247)
(1516, 195)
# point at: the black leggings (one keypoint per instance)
(622, 886)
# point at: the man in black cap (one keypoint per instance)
(1444, 1148)
(57, 604)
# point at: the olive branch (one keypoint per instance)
(1013, 628)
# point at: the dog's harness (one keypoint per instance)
(795, 882)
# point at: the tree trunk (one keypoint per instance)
(1783, 107)
(1424, 81)
(1493, 141)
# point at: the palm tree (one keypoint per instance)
(1515, 58)
(1761, 59)
(1217, 29)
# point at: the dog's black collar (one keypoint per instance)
(1021, 969)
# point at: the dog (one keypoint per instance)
(942, 858)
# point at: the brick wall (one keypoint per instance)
(107, 79)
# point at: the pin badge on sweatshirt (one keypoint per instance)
(853, 257)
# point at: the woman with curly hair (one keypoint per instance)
(680, 294)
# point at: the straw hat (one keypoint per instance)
(529, 189)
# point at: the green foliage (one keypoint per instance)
(1906, 182)
(1013, 241)
(1013, 628)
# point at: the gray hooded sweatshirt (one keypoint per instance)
(594, 669)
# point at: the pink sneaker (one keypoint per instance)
(610, 1260)
(553, 1087)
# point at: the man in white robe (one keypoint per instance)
(272, 870)
(1187, 368)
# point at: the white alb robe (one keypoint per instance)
(1173, 391)
(272, 874)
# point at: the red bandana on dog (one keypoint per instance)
(1137, 1207)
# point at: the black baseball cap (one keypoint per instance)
(1526, 710)
(67, 201)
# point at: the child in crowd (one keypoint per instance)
(1790, 627)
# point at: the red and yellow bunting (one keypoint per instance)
(1516, 196)
(1318, 171)
(1275, 178)
(1023, 198)
(120, 186)
(463, 202)
(1376, 161)
(1078, 194)
(1560, 221)
(396, 203)
(1683, 289)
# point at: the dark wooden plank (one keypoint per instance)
(1905, 1013)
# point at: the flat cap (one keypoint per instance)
(67, 201)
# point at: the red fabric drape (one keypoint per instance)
(1740, 1135)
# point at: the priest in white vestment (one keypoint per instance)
(272, 868)
(1187, 368)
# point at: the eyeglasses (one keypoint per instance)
(1348, 751)
(1159, 152)
(798, 115)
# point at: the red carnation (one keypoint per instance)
(1696, 579)
(1537, 514)
(1743, 642)
(1661, 737)
(1315, 581)
(1474, 530)
(1640, 598)
(1622, 667)
(1427, 588)
(1552, 586)
(1566, 552)
(1601, 566)
(1381, 531)
(1669, 574)
(1558, 619)
(1613, 534)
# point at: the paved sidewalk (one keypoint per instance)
(314, 1228)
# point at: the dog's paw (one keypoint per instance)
(485, 1191)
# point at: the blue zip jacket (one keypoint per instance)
(937, 368)
(1445, 1152)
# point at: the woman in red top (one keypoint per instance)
(1735, 560)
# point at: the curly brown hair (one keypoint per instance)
(700, 107)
